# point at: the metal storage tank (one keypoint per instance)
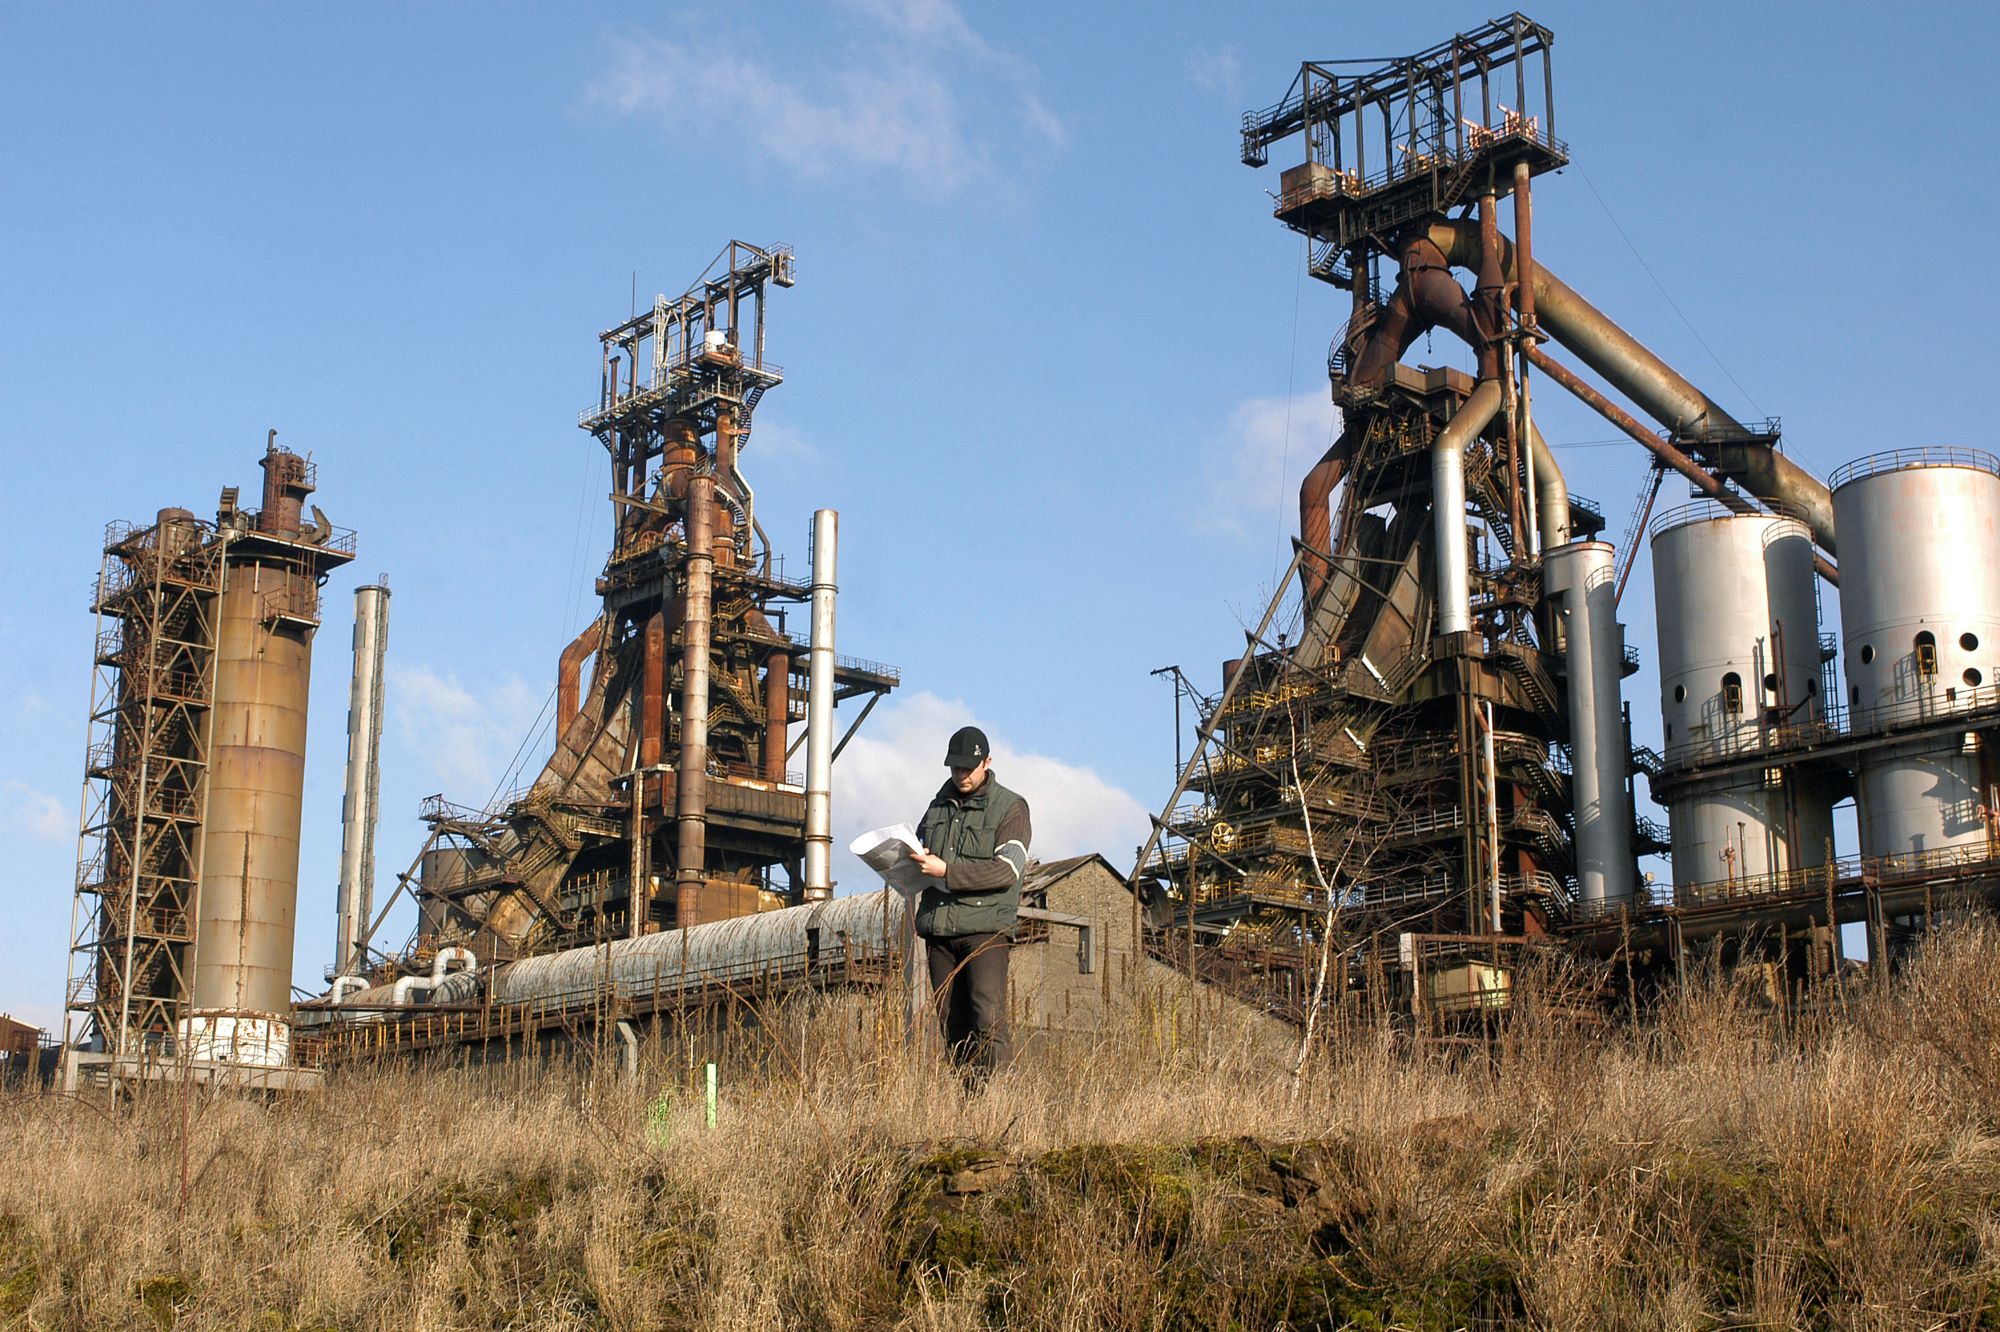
(241, 990)
(1920, 613)
(1740, 657)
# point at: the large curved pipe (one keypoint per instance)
(1316, 491)
(1551, 492)
(1426, 296)
(1315, 515)
(1661, 392)
(1448, 505)
(569, 672)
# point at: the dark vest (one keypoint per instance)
(966, 828)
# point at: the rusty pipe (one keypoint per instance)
(1315, 515)
(653, 691)
(1665, 452)
(777, 715)
(1524, 247)
(1661, 392)
(1489, 294)
(1426, 296)
(569, 672)
(691, 771)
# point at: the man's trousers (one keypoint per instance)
(969, 988)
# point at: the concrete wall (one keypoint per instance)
(1052, 996)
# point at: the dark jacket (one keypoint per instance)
(983, 840)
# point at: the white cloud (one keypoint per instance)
(899, 99)
(1218, 71)
(463, 739)
(1268, 447)
(774, 440)
(895, 763)
(36, 813)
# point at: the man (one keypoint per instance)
(975, 836)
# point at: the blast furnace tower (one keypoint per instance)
(669, 800)
(1422, 757)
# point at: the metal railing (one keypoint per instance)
(802, 647)
(1935, 705)
(1895, 460)
(1413, 165)
(1834, 876)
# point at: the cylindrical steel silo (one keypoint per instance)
(1739, 665)
(1920, 613)
(240, 997)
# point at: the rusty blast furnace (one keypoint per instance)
(1422, 761)
(668, 801)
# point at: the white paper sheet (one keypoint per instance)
(888, 852)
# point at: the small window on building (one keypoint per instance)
(1854, 695)
(1970, 642)
(1670, 733)
(1680, 693)
(1973, 677)
(1867, 653)
(1771, 684)
(1732, 692)
(1926, 648)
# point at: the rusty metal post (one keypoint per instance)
(1525, 335)
(653, 692)
(777, 714)
(639, 895)
(1524, 250)
(691, 771)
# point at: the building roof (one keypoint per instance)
(1042, 874)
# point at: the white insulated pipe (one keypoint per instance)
(360, 806)
(401, 994)
(1454, 579)
(819, 709)
(1580, 574)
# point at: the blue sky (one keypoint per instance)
(1048, 353)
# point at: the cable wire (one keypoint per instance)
(1669, 295)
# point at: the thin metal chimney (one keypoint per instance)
(819, 709)
(360, 805)
(691, 768)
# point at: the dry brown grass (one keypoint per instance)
(1716, 1168)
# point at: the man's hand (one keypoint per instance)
(932, 866)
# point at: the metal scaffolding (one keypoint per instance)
(132, 925)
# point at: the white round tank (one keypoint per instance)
(1740, 662)
(1920, 612)
(1738, 628)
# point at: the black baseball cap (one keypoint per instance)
(968, 746)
